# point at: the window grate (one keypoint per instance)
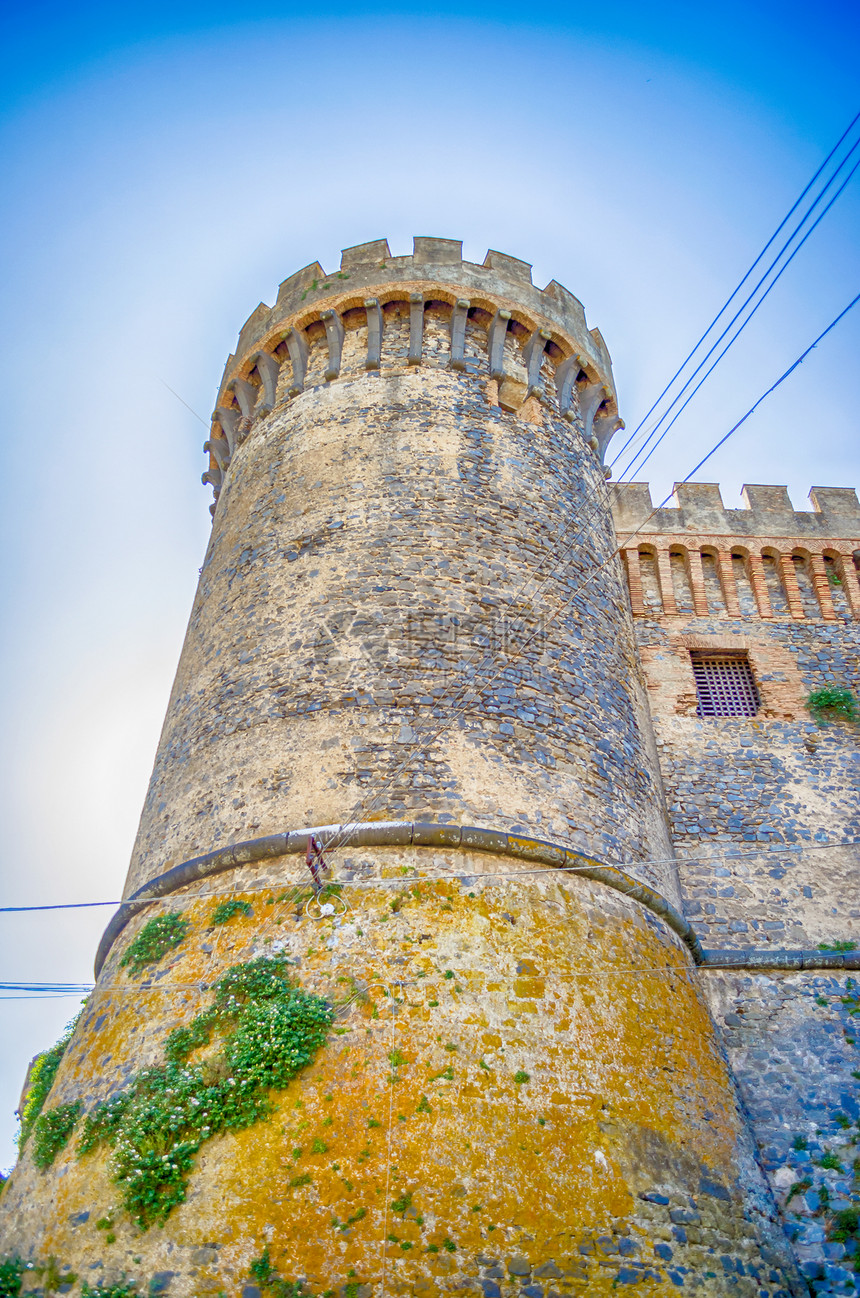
(725, 686)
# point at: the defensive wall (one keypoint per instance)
(417, 643)
(764, 812)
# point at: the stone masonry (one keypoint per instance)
(765, 812)
(564, 932)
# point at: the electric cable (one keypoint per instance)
(638, 467)
(740, 284)
(722, 858)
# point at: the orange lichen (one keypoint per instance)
(414, 1100)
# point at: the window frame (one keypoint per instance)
(727, 698)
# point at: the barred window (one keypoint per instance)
(725, 685)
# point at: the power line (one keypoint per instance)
(736, 335)
(778, 849)
(741, 283)
(774, 386)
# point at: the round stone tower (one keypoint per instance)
(400, 999)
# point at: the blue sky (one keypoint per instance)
(166, 166)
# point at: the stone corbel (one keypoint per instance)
(459, 316)
(591, 398)
(268, 370)
(374, 333)
(334, 337)
(565, 377)
(228, 418)
(213, 477)
(496, 344)
(533, 354)
(416, 328)
(246, 395)
(220, 449)
(297, 346)
(604, 427)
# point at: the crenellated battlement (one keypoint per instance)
(531, 347)
(765, 560)
(767, 511)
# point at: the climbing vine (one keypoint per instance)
(11, 1276)
(268, 1030)
(52, 1132)
(225, 910)
(155, 939)
(41, 1080)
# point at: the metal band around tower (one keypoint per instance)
(395, 833)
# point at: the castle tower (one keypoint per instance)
(407, 803)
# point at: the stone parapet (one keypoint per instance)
(698, 508)
(531, 348)
(767, 560)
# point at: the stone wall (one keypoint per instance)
(410, 604)
(503, 1106)
(411, 608)
(764, 812)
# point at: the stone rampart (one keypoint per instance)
(765, 815)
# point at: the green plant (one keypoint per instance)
(403, 1203)
(423, 1105)
(799, 1143)
(831, 1162)
(449, 1245)
(51, 1277)
(521, 1078)
(225, 910)
(269, 1029)
(358, 1215)
(319, 1147)
(846, 1224)
(269, 1279)
(42, 1076)
(799, 1187)
(52, 1131)
(11, 1276)
(833, 701)
(155, 939)
(372, 1122)
(837, 946)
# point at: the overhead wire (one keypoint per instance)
(640, 465)
(738, 288)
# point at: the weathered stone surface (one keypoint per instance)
(411, 610)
